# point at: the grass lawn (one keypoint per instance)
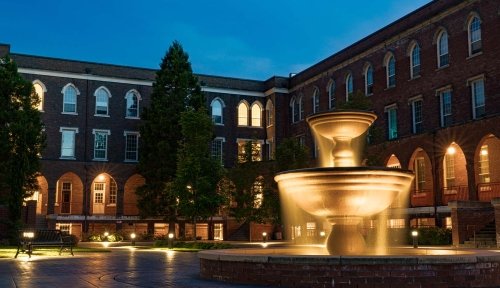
(10, 251)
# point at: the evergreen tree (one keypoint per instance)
(290, 155)
(175, 90)
(197, 171)
(21, 141)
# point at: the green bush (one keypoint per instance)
(113, 237)
(432, 236)
(194, 245)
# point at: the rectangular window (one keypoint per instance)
(417, 116)
(252, 147)
(131, 146)
(484, 165)
(449, 170)
(66, 198)
(101, 144)
(113, 191)
(217, 150)
(68, 142)
(419, 174)
(478, 107)
(64, 227)
(392, 123)
(446, 116)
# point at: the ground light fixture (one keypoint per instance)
(264, 237)
(170, 240)
(322, 234)
(29, 235)
(132, 236)
(414, 235)
(106, 234)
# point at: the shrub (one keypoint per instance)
(433, 236)
(194, 245)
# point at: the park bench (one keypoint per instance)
(28, 239)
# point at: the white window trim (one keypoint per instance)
(348, 77)
(470, 81)
(413, 47)
(107, 106)
(223, 105)
(75, 129)
(44, 89)
(386, 110)
(387, 59)
(261, 109)
(238, 114)
(125, 134)
(438, 47)
(108, 132)
(76, 102)
(439, 93)
(328, 91)
(139, 99)
(469, 25)
(365, 75)
(315, 97)
(411, 102)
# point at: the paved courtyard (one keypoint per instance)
(122, 267)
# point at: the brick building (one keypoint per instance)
(432, 77)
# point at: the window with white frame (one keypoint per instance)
(69, 99)
(68, 136)
(132, 101)
(243, 114)
(474, 31)
(315, 100)
(301, 107)
(484, 165)
(392, 122)
(445, 109)
(113, 192)
(331, 95)
(419, 168)
(102, 96)
(369, 80)
(217, 106)
(216, 150)
(449, 170)
(349, 86)
(416, 108)
(40, 92)
(131, 146)
(256, 115)
(442, 49)
(294, 109)
(269, 113)
(101, 144)
(478, 98)
(390, 68)
(415, 61)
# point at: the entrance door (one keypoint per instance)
(99, 189)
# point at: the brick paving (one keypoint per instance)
(120, 268)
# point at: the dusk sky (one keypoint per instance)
(244, 39)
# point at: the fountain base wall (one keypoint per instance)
(464, 270)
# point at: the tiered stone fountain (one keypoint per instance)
(340, 190)
(343, 192)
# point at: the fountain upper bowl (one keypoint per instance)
(347, 123)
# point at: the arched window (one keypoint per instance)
(315, 100)
(217, 106)
(415, 61)
(243, 114)
(442, 49)
(331, 95)
(40, 91)
(349, 86)
(301, 107)
(269, 113)
(132, 101)
(474, 31)
(102, 96)
(69, 98)
(256, 115)
(390, 68)
(368, 80)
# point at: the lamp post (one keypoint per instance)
(414, 234)
(132, 236)
(170, 240)
(264, 237)
(106, 234)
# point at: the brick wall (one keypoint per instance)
(469, 217)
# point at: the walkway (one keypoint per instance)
(122, 267)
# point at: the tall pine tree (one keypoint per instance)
(175, 90)
(21, 141)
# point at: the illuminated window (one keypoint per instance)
(64, 227)
(396, 223)
(40, 91)
(217, 106)
(102, 96)
(310, 229)
(415, 61)
(113, 189)
(132, 101)
(442, 49)
(245, 147)
(474, 31)
(392, 122)
(242, 114)
(369, 80)
(256, 115)
(69, 99)
(449, 167)
(484, 165)
(258, 192)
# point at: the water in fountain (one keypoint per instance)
(340, 191)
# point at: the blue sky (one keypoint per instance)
(235, 38)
